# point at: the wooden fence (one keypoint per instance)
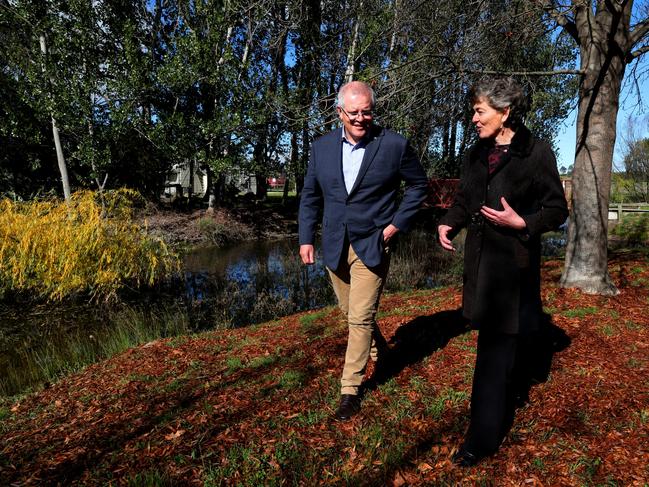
(616, 211)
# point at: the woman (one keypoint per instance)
(510, 193)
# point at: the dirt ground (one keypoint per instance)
(255, 220)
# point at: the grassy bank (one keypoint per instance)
(45, 361)
(253, 406)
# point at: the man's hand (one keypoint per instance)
(307, 254)
(506, 218)
(389, 232)
(444, 241)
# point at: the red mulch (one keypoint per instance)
(253, 406)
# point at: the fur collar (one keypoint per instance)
(521, 145)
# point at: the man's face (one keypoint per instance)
(356, 115)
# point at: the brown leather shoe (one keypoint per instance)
(350, 404)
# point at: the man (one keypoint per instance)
(354, 176)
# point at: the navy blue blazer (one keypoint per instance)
(370, 206)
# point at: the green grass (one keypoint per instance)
(311, 417)
(608, 330)
(292, 379)
(633, 363)
(263, 361)
(233, 363)
(449, 398)
(150, 478)
(539, 464)
(586, 467)
(632, 325)
(248, 463)
(290, 457)
(60, 357)
(580, 312)
(5, 413)
(313, 324)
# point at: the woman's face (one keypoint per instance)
(488, 121)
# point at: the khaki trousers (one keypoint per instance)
(358, 290)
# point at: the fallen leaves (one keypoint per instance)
(175, 435)
(154, 409)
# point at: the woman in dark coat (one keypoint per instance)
(510, 193)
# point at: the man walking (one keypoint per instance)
(354, 176)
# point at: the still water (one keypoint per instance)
(249, 283)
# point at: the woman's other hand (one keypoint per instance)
(444, 241)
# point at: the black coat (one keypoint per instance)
(502, 281)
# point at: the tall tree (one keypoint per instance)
(607, 43)
(33, 63)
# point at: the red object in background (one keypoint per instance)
(275, 183)
(441, 192)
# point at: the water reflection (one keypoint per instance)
(251, 282)
(259, 281)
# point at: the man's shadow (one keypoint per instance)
(413, 342)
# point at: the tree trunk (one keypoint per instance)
(603, 64)
(262, 187)
(351, 56)
(285, 190)
(63, 169)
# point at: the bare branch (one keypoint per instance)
(637, 53)
(639, 31)
(527, 73)
(613, 6)
(561, 19)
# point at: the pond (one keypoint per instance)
(219, 288)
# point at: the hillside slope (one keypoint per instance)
(253, 406)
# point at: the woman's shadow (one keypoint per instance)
(424, 335)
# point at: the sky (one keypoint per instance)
(629, 106)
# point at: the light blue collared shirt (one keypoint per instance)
(352, 159)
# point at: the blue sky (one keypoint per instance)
(629, 106)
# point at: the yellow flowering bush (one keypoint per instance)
(55, 249)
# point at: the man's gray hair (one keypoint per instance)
(501, 93)
(355, 88)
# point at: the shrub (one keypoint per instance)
(633, 229)
(223, 233)
(54, 249)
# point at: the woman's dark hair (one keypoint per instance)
(501, 93)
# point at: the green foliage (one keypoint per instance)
(633, 229)
(54, 250)
(626, 188)
(636, 161)
(139, 86)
